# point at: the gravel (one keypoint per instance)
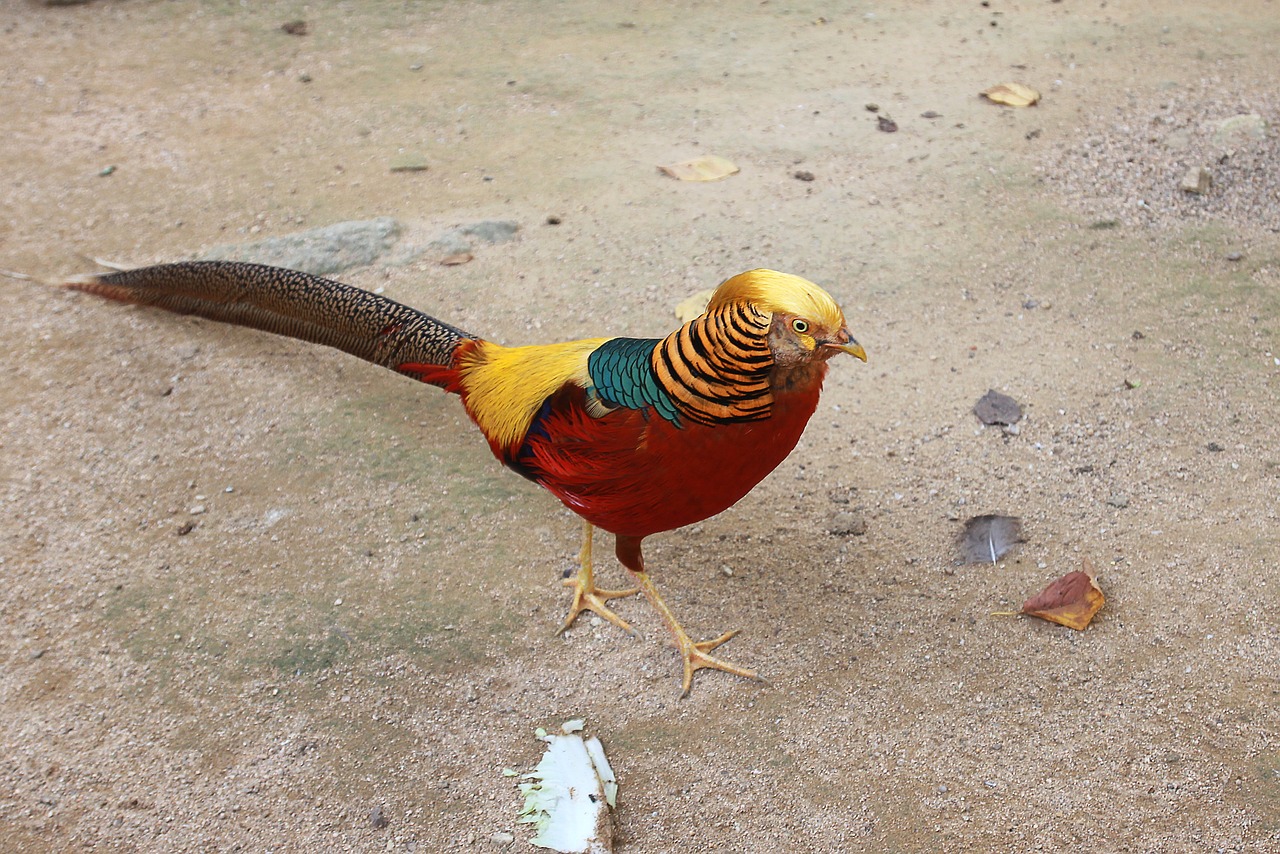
(1129, 161)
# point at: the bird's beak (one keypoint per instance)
(845, 344)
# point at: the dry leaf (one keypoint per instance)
(709, 168)
(1012, 95)
(986, 538)
(693, 306)
(1070, 601)
(456, 259)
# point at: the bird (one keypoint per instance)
(635, 435)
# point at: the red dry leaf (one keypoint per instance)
(1070, 601)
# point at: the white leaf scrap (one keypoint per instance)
(568, 796)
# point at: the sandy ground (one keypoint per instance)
(363, 615)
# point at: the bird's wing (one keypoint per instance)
(621, 374)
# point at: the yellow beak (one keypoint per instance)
(853, 348)
(848, 345)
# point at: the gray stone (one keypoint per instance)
(996, 408)
(462, 239)
(320, 251)
(492, 230)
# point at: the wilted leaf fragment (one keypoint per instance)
(1012, 95)
(1070, 601)
(996, 408)
(693, 306)
(985, 539)
(709, 168)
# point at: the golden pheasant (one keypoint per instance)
(634, 435)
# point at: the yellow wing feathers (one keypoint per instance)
(506, 386)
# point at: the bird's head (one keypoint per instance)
(806, 325)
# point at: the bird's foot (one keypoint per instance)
(695, 655)
(588, 597)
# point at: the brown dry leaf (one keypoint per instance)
(693, 306)
(1012, 95)
(1070, 601)
(456, 259)
(709, 168)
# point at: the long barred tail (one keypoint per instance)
(291, 303)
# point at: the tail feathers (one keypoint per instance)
(298, 305)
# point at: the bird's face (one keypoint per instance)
(797, 340)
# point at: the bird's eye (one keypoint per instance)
(800, 325)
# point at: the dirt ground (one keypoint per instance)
(363, 615)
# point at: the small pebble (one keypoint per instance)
(1197, 181)
(846, 524)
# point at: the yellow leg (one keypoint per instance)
(694, 653)
(588, 597)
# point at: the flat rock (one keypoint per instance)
(463, 238)
(319, 251)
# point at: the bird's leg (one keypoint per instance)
(693, 653)
(588, 597)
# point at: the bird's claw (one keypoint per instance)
(695, 655)
(588, 597)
